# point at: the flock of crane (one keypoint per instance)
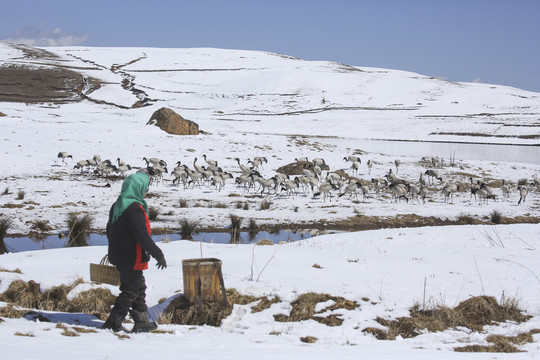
(312, 178)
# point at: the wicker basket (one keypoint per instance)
(104, 272)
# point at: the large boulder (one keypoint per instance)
(169, 121)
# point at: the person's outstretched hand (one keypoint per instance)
(161, 263)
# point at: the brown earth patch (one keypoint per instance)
(20, 83)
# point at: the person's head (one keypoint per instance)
(136, 184)
(134, 189)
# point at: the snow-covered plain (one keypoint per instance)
(259, 104)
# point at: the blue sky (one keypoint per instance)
(490, 41)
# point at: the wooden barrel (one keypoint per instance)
(202, 278)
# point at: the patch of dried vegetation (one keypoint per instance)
(181, 311)
(474, 314)
(303, 308)
(96, 302)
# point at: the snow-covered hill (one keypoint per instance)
(258, 104)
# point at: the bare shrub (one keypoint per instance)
(20, 195)
(183, 203)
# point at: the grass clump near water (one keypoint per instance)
(495, 217)
(41, 225)
(79, 229)
(188, 228)
(236, 227)
(5, 225)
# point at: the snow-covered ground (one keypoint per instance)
(258, 104)
(385, 271)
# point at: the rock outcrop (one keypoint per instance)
(172, 123)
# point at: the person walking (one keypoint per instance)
(130, 248)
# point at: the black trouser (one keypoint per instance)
(132, 291)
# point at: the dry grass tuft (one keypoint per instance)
(21, 293)
(83, 330)
(16, 271)
(188, 228)
(182, 203)
(11, 313)
(508, 348)
(473, 313)
(485, 310)
(41, 225)
(5, 225)
(96, 302)
(303, 308)
(66, 331)
(153, 213)
(79, 229)
(264, 302)
(265, 204)
(29, 334)
(308, 339)
(501, 344)
(181, 311)
(264, 242)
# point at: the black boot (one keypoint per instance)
(114, 322)
(141, 322)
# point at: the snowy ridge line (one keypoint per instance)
(320, 110)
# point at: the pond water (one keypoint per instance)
(18, 244)
(529, 154)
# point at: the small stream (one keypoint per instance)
(18, 244)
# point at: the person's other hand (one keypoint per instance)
(161, 263)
